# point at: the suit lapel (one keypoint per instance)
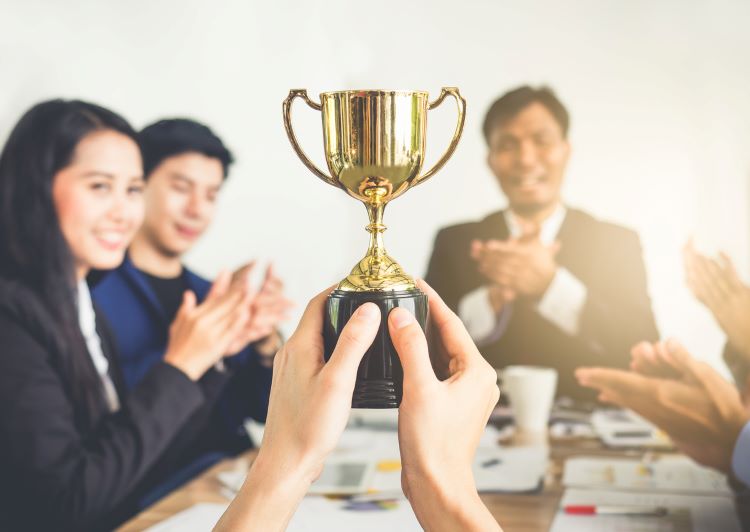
(493, 227)
(570, 239)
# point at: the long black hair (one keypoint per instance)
(33, 251)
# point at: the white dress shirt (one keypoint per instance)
(87, 322)
(561, 304)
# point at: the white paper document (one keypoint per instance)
(675, 474)
(510, 469)
(686, 513)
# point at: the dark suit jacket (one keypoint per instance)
(604, 257)
(61, 471)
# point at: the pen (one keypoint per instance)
(633, 434)
(491, 462)
(656, 511)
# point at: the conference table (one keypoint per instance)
(515, 512)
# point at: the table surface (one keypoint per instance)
(515, 513)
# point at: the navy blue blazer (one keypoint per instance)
(141, 331)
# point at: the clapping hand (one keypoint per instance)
(267, 307)
(689, 400)
(717, 285)
(517, 266)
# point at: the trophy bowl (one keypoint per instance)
(374, 145)
(374, 139)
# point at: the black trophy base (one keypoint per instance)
(380, 377)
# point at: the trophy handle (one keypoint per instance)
(461, 104)
(287, 107)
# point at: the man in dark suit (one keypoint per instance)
(539, 283)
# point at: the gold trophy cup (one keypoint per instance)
(374, 144)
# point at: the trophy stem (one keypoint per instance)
(376, 228)
(376, 271)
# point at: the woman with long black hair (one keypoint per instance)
(76, 453)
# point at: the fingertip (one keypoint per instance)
(368, 312)
(399, 318)
(581, 373)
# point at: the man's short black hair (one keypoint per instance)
(175, 136)
(512, 102)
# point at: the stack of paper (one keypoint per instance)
(685, 513)
(696, 498)
(674, 474)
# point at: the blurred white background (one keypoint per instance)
(657, 91)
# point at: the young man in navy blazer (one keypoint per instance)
(186, 164)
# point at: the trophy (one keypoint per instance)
(374, 143)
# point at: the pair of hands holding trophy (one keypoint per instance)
(363, 344)
(439, 428)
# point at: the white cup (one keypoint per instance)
(531, 391)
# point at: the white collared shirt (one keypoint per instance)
(87, 322)
(561, 304)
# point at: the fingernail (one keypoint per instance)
(368, 311)
(401, 318)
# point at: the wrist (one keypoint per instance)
(286, 467)
(548, 280)
(450, 505)
(495, 296)
(451, 493)
(192, 372)
(268, 498)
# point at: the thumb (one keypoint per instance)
(678, 357)
(411, 345)
(355, 339)
(187, 305)
(220, 285)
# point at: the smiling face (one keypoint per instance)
(528, 155)
(180, 201)
(99, 199)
